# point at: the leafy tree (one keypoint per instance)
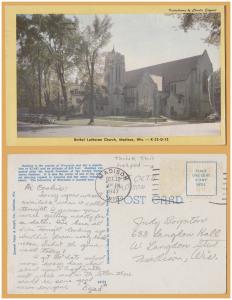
(45, 45)
(26, 59)
(58, 35)
(32, 54)
(94, 38)
(50, 46)
(209, 21)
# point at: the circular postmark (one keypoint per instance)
(113, 184)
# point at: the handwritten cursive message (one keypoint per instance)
(61, 240)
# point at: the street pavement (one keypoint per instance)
(135, 130)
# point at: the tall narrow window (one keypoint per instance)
(119, 73)
(173, 88)
(115, 73)
(205, 82)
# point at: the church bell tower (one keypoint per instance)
(114, 80)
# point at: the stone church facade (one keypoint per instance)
(176, 89)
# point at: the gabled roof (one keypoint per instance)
(176, 70)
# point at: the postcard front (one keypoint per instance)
(116, 224)
(115, 74)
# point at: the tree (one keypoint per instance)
(50, 47)
(209, 21)
(33, 56)
(94, 38)
(59, 35)
(26, 60)
(46, 45)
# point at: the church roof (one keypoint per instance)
(176, 70)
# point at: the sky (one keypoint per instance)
(149, 39)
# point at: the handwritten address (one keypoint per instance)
(171, 239)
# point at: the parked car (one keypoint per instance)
(212, 118)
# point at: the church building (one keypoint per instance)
(176, 89)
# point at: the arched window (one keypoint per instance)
(205, 82)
